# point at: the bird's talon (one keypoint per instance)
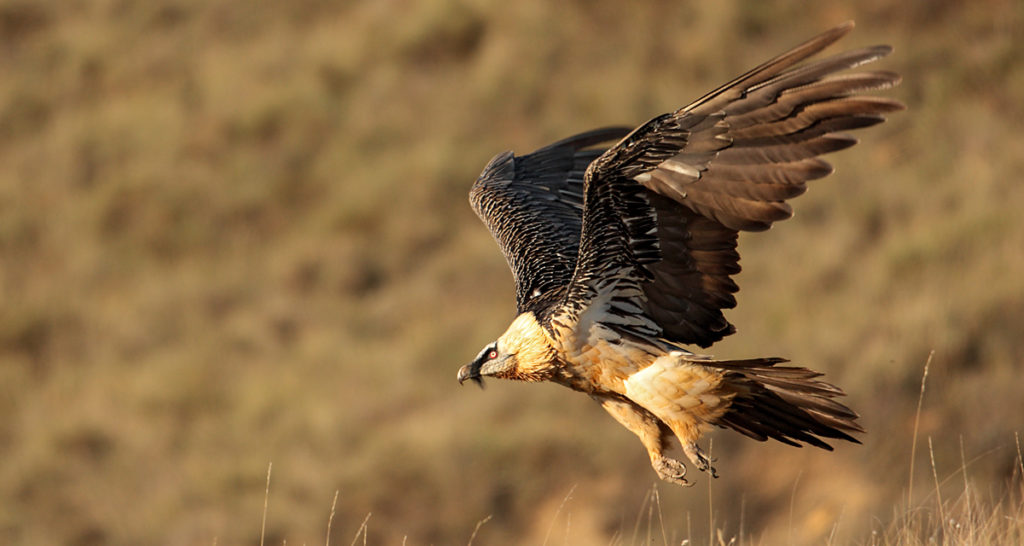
(671, 470)
(700, 460)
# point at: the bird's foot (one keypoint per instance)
(699, 459)
(670, 470)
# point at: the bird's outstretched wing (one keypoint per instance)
(662, 208)
(533, 206)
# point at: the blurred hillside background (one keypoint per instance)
(237, 232)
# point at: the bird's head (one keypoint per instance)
(491, 361)
(524, 352)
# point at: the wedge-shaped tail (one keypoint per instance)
(786, 403)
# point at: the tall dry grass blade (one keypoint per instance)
(266, 501)
(555, 518)
(792, 502)
(362, 530)
(475, 529)
(1020, 459)
(330, 519)
(568, 525)
(640, 515)
(967, 489)
(661, 516)
(650, 512)
(835, 526)
(938, 493)
(917, 423)
(970, 463)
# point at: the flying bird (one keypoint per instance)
(624, 255)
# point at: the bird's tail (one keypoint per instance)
(786, 403)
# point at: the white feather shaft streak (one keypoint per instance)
(680, 168)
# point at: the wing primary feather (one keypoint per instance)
(773, 66)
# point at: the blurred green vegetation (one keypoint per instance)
(237, 232)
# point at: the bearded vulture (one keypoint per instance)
(623, 255)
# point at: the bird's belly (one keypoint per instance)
(680, 392)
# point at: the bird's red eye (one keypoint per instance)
(492, 355)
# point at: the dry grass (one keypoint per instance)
(237, 232)
(972, 518)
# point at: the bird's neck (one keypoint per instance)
(536, 358)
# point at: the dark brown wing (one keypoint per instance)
(659, 255)
(533, 206)
(771, 125)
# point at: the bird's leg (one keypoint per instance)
(699, 458)
(652, 433)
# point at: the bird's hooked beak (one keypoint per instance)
(489, 362)
(470, 371)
